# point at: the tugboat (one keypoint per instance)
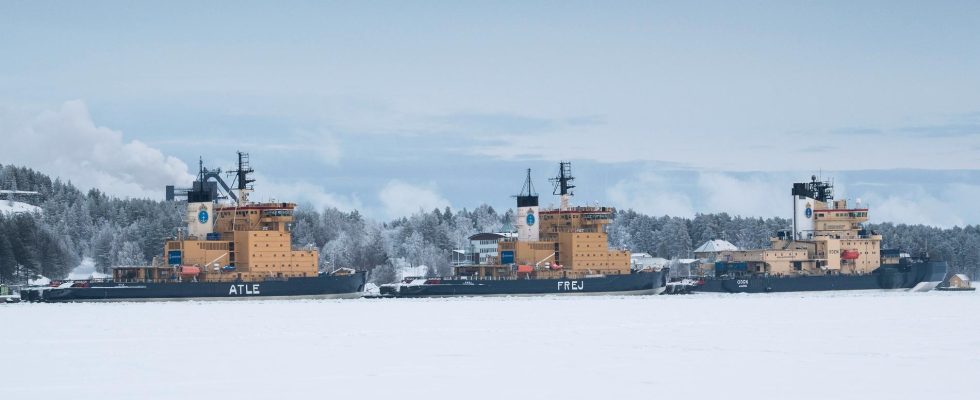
(565, 253)
(827, 249)
(239, 250)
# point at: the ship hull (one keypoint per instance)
(323, 286)
(915, 277)
(641, 283)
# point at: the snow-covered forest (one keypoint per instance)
(73, 224)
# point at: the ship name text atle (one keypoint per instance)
(244, 289)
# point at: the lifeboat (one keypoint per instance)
(555, 267)
(189, 270)
(849, 255)
(522, 269)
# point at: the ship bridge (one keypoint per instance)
(575, 219)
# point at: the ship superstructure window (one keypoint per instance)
(277, 213)
(212, 246)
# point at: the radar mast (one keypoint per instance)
(243, 183)
(563, 183)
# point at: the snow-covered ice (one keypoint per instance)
(786, 346)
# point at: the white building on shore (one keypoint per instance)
(482, 248)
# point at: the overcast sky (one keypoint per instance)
(665, 107)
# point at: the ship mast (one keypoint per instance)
(562, 183)
(243, 186)
(528, 189)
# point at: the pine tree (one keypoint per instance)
(130, 255)
(8, 264)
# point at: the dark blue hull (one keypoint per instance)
(918, 276)
(635, 283)
(323, 286)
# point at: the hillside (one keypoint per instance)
(16, 207)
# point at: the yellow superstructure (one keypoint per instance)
(231, 241)
(565, 241)
(827, 238)
(247, 243)
(573, 242)
(254, 240)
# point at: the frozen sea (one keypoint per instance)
(784, 346)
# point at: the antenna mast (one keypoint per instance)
(563, 183)
(244, 185)
(528, 188)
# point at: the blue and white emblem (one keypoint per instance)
(202, 216)
(808, 212)
(530, 218)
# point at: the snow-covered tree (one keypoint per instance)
(130, 254)
(486, 219)
(116, 231)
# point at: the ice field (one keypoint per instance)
(786, 346)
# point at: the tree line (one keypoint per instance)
(73, 224)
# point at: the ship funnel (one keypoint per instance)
(200, 219)
(809, 196)
(527, 212)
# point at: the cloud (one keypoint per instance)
(67, 143)
(856, 131)
(942, 130)
(817, 149)
(324, 145)
(757, 195)
(964, 125)
(686, 193)
(945, 205)
(303, 192)
(927, 210)
(497, 123)
(400, 199)
(925, 199)
(651, 193)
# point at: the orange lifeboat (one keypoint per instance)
(521, 269)
(849, 255)
(189, 270)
